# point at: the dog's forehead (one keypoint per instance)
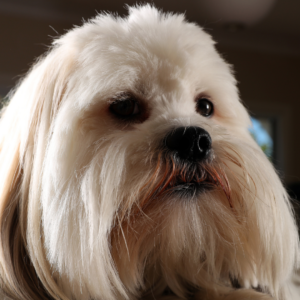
(148, 47)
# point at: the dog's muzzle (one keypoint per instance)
(189, 143)
(185, 167)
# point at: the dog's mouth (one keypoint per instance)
(190, 182)
(190, 189)
(184, 180)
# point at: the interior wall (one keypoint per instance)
(23, 40)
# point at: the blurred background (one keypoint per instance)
(260, 38)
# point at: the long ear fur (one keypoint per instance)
(25, 126)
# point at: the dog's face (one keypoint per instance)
(136, 172)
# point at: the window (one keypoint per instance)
(264, 131)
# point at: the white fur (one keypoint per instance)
(83, 174)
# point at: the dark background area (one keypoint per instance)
(266, 56)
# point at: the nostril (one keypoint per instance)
(192, 143)
(204, 142)
(204, 145)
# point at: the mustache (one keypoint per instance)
(172, 175)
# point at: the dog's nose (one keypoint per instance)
(191, 143)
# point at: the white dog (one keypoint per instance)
(127, 172)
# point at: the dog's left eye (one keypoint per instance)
(204, 107)
(125, 108)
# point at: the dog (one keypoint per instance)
(128, 172)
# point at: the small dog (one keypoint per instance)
(127, 172)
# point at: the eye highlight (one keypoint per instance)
(204, 107)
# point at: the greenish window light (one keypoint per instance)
(261, 132)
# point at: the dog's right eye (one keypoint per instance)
(125, 108)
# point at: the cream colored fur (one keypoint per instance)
(74, 180)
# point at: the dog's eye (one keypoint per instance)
(205, 107)
(125, 108)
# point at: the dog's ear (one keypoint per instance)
(25, 127)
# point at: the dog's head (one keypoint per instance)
(127, 169)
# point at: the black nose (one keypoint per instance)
(191, 143)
